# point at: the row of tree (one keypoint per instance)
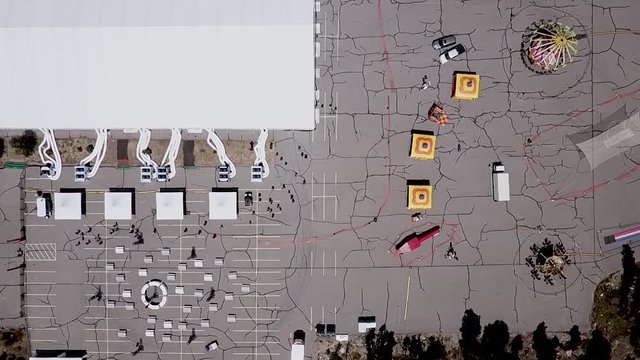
(629, 292)
(493, 342)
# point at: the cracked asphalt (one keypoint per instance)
(314, 247)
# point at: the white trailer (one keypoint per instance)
(500, 183)
(297, 348)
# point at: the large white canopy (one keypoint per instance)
(223, 205)
(169, 205)
(67, 206)
(117, 206)
(81, 64)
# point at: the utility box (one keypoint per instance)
(500, 179)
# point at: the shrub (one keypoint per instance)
(25, 144)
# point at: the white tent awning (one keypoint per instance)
(223, 205)
(169, 205)
(69, 64)
(117, 206)
(67, 206)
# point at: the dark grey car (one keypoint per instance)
(443, 42)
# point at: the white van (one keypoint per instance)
(44, 205)
(500, 183)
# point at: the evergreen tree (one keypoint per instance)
(515, 347)
(627, 278)
(574, 338)
(416, 348)
(370, 344)
(495, 339)
(634, 335)
(544, 347)
(469, 332)
(598, 347)
(385, 341)
(435, 350)
(25, 144)
(635, 296)
(406, 342)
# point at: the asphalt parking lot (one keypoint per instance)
(314, 247)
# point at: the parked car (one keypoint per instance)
(451, 53)
(444, 42)
(212, 345)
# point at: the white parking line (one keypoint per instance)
(255, 330)
(258, 354)
(257, 284)
(256, 236)
(108, 341)
(259, 307)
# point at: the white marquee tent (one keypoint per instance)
(223, 205)
(117, 205)
(78, 64)
(67, 206)
(169, 205)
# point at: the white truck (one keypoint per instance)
(44, 204)
(297, 348)
(500, 181)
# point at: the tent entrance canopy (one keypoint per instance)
(67, 205)
(117, 206)
(71, 64)
(170, 205)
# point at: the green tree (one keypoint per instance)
(416, 348)
(515, 347)
(380, 346)
(574, 338)
(469, 332)
(385, 342)
(25, 144)
(495, 339)
(544, 347)
(627, 278)
(1, 147)
(406, 342)
(598, 347)
(370, 344)
(435, 350)
(634, 335)
(635, 296)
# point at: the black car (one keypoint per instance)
(444, 42)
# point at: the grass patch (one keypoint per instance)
(605, 311)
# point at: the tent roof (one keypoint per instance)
(169, 205)
(67, 206)
(145, 64)
(223, 205)
(117, 206)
